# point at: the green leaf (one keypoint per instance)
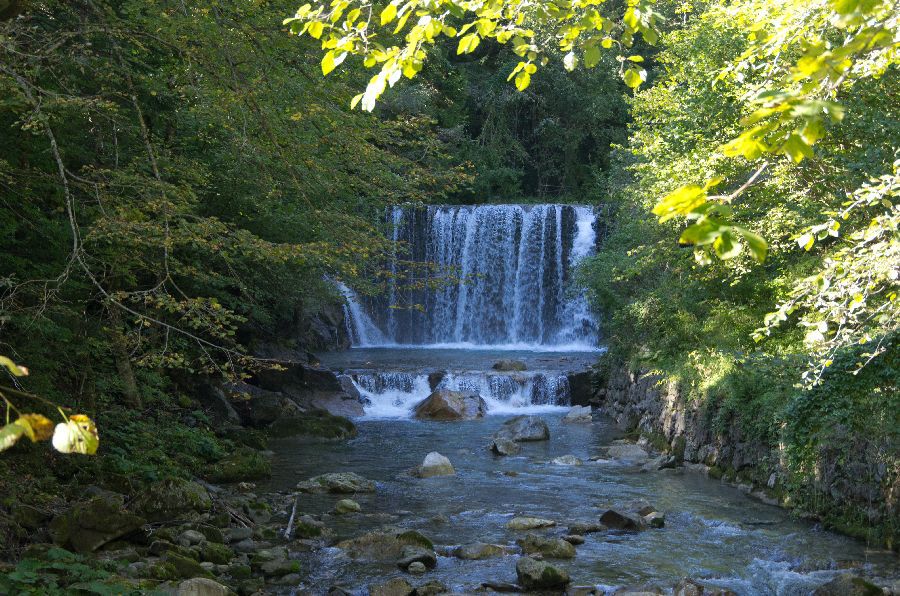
(634, 77)
(9, 434)
(13, 368)
(468, 44)
(523, 79)
(681, 201)
(388, 14)
(591, 56)
(756, 243)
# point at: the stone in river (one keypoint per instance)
(338, 483)
(627, 452)
(395, 587)
(578, 414)
(384, 545)
(554, 548)
(444, 404)
(417, 554)
(621, 521)
(574, 539)
(540, 575)
(435, 464)
(478, 551)
(524, 428)
(416, 568)
(501, 446)
(529, 523)
(346, 506)
(848, 584)
(431, 588)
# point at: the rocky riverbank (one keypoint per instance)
(853, 487)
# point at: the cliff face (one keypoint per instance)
(852, 485)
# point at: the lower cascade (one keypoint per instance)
(393, 394)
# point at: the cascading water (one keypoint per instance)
(480, 277)
(500, 276)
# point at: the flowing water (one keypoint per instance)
(507, 293)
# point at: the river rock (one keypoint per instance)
(435, 464)
(346, 506)
(478, 551)
(502, 446)
(621, 521)
(416, 568)
(554, 548)
(384, 545)
(509, 366)
(524, 428)
(688, 587)
(578, 414)
(567, 460)
(848, 584)
(574, 539)
(258, 407)
(89, 525)
(627, 452)
(444, 404)
(432, 588)
(581, 528)
(655, 519)
(540, 575)
(638, 591)
(529, 523)
(395, 587)
(337, 483)
(417, 554)
(201, 586)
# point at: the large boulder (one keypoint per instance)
(395, 587)
(444, 404)
(628, 452)
(618, 520)
(217, 405)
(312, 387)
(171, 499)
(435, 464)
(386, 545)
(202, 586)
(318, 423)
(259, 407)
(337, 483)
(580, 388)
(509, 366)
(479, 550)
(554, 548)
(540, 575)
(89, 525)
(524, 428)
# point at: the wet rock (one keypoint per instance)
(338, 591)
(554, 548)
(279, 568)
(89, 525)
(346, 506)
(337, 483)
(186, 567)
(638, 591)
(578, 415)
(384, 546)
(395, 587)
(417, 554)
(507, 365)
(584, 591)
(540, 575)
(431, 588)
(524, 428)
(258, 407)
(171, 499)
(478, 551)
(627, 452)
(574, 539)
(581, 528)
(245, 546)
(444, 404)
(663, 462)
(688, 587)
(216, 553)
(500, 587)
(201, 586)
(501, 446)
(655, 519)
(190, 537)
(435, 464)
(848, 584)
(567, 460)
(416, 568)
(435, 378)
(621, 521)
(243, 464)
(529, 523)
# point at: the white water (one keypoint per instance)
(507, 280)
(394, 394)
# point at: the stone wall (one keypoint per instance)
(855, 490)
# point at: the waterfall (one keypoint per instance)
(496, 276)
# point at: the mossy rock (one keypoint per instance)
(186, 567)
(170, 499)
(240, 571)
(216, 553)
(305, 530)
(248, 437)
(243, 464)
(162, 571)
(384, 545)
(318, 423)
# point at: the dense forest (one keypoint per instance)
(182, 186)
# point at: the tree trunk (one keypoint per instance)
(123, 360)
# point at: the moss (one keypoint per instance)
(186, 567)
(319, 424)
(304, 530)
(716, 472)
(243, 464)
(415, 538)
(216, 553)
(240, 571)
(678, 448)
(656, 440)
